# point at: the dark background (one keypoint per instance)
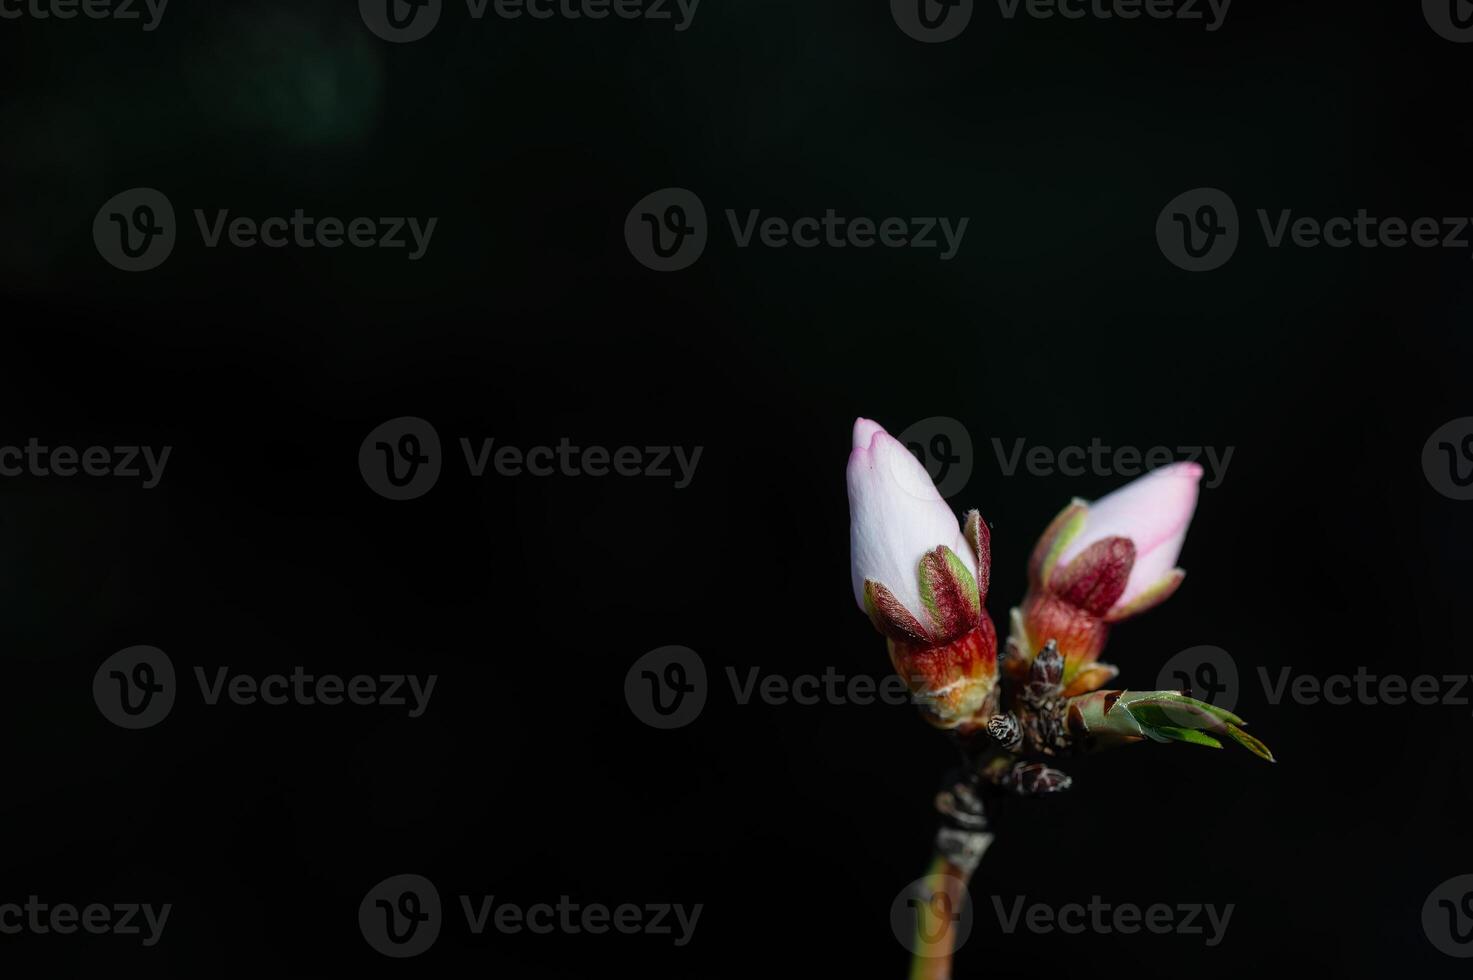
(1325, 548)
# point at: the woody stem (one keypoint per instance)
(961, 841)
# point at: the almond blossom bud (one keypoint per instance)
(1097, 564)
(922, 580)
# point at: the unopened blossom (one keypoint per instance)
(922, 579)
(1097, 564)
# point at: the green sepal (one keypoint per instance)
(964, 576)
(949, 593)
(1064, 528)
(979, 536)
(890, 616)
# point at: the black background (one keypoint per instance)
(1325, 547)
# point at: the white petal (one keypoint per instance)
(864, 433)
(895, 517)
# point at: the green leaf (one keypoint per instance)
(1250, 743)
(1191, 735)
(1168, 716)
(1175, 697)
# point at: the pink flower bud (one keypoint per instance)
(1099, 563)
(922, 580)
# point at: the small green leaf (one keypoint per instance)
(1192, 735)
(1250, 743)
(1166, 715)
(964, 577)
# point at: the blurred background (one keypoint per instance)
(1324, 548)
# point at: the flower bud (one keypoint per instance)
(921, 579)
(1097, 564)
